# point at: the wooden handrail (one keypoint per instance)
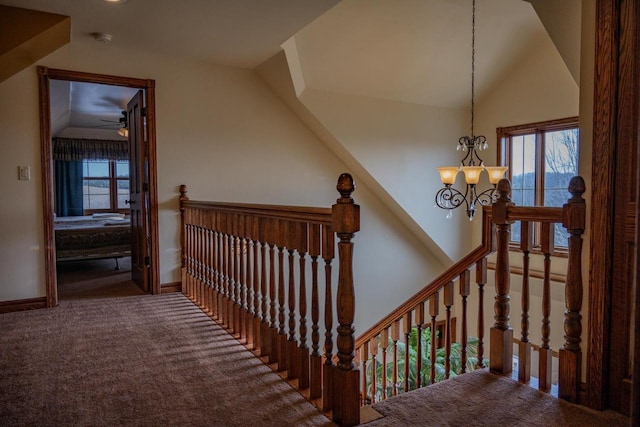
(313, 215)
(233, 267)
(496, 229)
(449, 275)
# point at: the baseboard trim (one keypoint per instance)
(165, 288)
(23, 304)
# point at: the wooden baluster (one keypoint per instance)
(293, 366)
(434, 306)
(303, 349)
(198, 261)
(384, 343)
(251, 340)
(231, 270)
(524, 346)
(215, 272)
(373, 349)
(237, 252)
(465, 290)
(547, 240)
(243, 277)
(501, 334)
(228, 272)
(364, 358)
(419, 325)
(207, 265)
(573, 219)
(328, 253)
(274, 345)
(282, 331)
(448, 302)
(346, 222)
(316, 359)
(395, 337)
(256, 285)
(187, 254)
(406, 323)
(481, 280)
(222, 218)
(183, 241)
(265, 338)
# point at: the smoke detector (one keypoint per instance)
(102, 37)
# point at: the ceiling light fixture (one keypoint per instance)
(471, 165)
(103, 38)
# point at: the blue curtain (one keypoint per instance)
(68, 178)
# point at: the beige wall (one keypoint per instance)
(226, 135)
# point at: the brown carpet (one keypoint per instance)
(483, 399)
(137, 360)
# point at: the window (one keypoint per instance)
(542, 158)
(105, 185)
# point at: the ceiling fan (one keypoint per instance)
(122, 122)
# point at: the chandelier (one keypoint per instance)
(450, 198)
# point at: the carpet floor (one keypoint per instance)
(111, 355)
(138, 360)
(480, 398)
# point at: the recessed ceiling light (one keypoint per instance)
(116, 1)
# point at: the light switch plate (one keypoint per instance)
(24, 173)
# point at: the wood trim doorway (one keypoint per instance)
(45, 75)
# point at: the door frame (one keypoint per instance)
(45, 75)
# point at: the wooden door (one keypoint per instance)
(138, 200)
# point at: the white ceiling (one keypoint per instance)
(406, 50)
(240, 33)
(416, 51)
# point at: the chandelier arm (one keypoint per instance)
(450, 198)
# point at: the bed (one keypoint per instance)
(96, 236)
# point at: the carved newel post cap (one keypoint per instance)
(504, 190)
(183, 190)
(345, 186)
(577, 187)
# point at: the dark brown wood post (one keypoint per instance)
(501, 334)
(573, 219)
(183, 244)
(346, 222)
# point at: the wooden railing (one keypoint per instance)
(410, 335)
(247, 266)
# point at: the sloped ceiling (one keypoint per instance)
(416, 51)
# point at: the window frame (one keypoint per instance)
(113, 187)
(539, 129)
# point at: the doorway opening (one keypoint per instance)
(107, 197)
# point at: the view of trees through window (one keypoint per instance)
(542, 159)
(106, 184)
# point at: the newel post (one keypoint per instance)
(501, 334)
(346, 222)
(573, 219)
(183, 247)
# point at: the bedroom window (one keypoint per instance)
(542, 158)
(105, 185)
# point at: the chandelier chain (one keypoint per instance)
(473, 63)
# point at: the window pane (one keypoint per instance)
(523, 168)
(561, 164)
(122, 169)
(96, 168)
(515, 232)
(123, 193)
(96, 194)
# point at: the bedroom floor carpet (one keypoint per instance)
(96, 279)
